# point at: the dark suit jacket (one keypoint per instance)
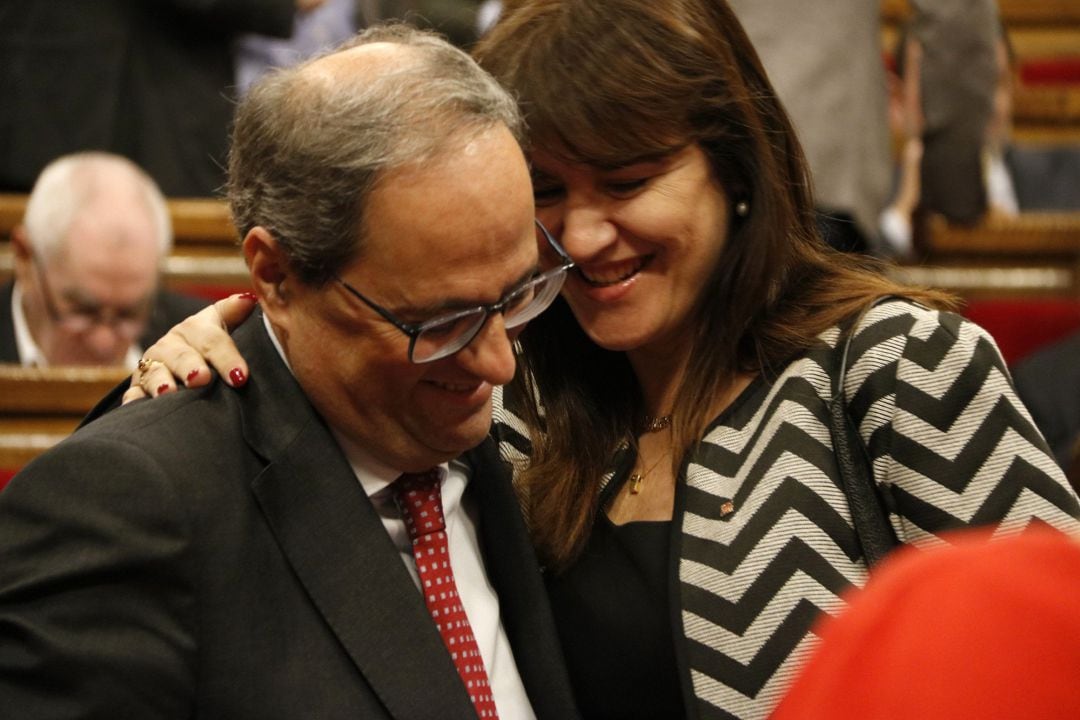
(211, 554)
(1046, 178)
(149, 80)
(169, 309)
(1048, 383)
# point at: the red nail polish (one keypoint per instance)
(237, 376)
(162, 389)
(248, 296)
(191, 375)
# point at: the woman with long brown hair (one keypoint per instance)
(670, 420)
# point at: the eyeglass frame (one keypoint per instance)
(413, 330)
(129, 327)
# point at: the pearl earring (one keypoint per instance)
(742, 208)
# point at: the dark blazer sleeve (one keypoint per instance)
(76, 604)
(1048, 383)
(169, 309)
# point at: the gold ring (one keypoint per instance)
(145, 364)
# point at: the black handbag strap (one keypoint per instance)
(868, 515)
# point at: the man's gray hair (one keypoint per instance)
(71, 183)
(307, 152)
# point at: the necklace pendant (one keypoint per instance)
(635, 483)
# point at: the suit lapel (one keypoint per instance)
(336, 543)
(514, 573)
(9, 351)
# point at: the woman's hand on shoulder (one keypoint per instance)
(181, 356)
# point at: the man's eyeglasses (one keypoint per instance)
(127, 323)
(447, 334)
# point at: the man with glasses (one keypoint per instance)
(86, 288)
(340, 538)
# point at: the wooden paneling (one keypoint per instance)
(1035, 254)
(54, 390)
(196, 221)
(39, 407)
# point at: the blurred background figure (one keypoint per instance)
(825, 61)
(314, 30)
(322, 27)
(1013, 178)
(958, 80)
(86, 259)
(981, 629)
(147, 80)
(1048, 383)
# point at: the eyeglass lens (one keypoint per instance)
(445, 336)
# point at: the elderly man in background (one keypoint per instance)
(87, 258)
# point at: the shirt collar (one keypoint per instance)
(30, 354)
(374, 476)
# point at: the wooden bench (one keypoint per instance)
(1035, 254)
(196, 221)
(39, 407)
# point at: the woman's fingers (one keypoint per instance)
(203, 341)
(184, 355)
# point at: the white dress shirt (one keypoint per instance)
(1000, 192)
(477, 595)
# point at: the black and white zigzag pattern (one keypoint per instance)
(951, 446)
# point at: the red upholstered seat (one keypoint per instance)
(1051, 71)
(1022, 325)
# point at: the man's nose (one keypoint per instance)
(490, 355)
(106, 343)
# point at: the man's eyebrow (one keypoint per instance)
(452, 304)
(79, 297)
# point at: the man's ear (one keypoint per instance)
(268, 267)
(22, 254)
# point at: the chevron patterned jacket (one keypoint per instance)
(951, 446)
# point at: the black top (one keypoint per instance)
(619, 582)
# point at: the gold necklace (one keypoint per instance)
(656, 423)
(653, 424)
(634, 483)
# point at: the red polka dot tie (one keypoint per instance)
(418, 498)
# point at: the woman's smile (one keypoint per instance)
(612, 273)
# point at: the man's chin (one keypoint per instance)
(463, 436)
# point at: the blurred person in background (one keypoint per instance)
(460, 21)
(825, 61)
(87, 259)
(1013, 178)
(151, 81)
